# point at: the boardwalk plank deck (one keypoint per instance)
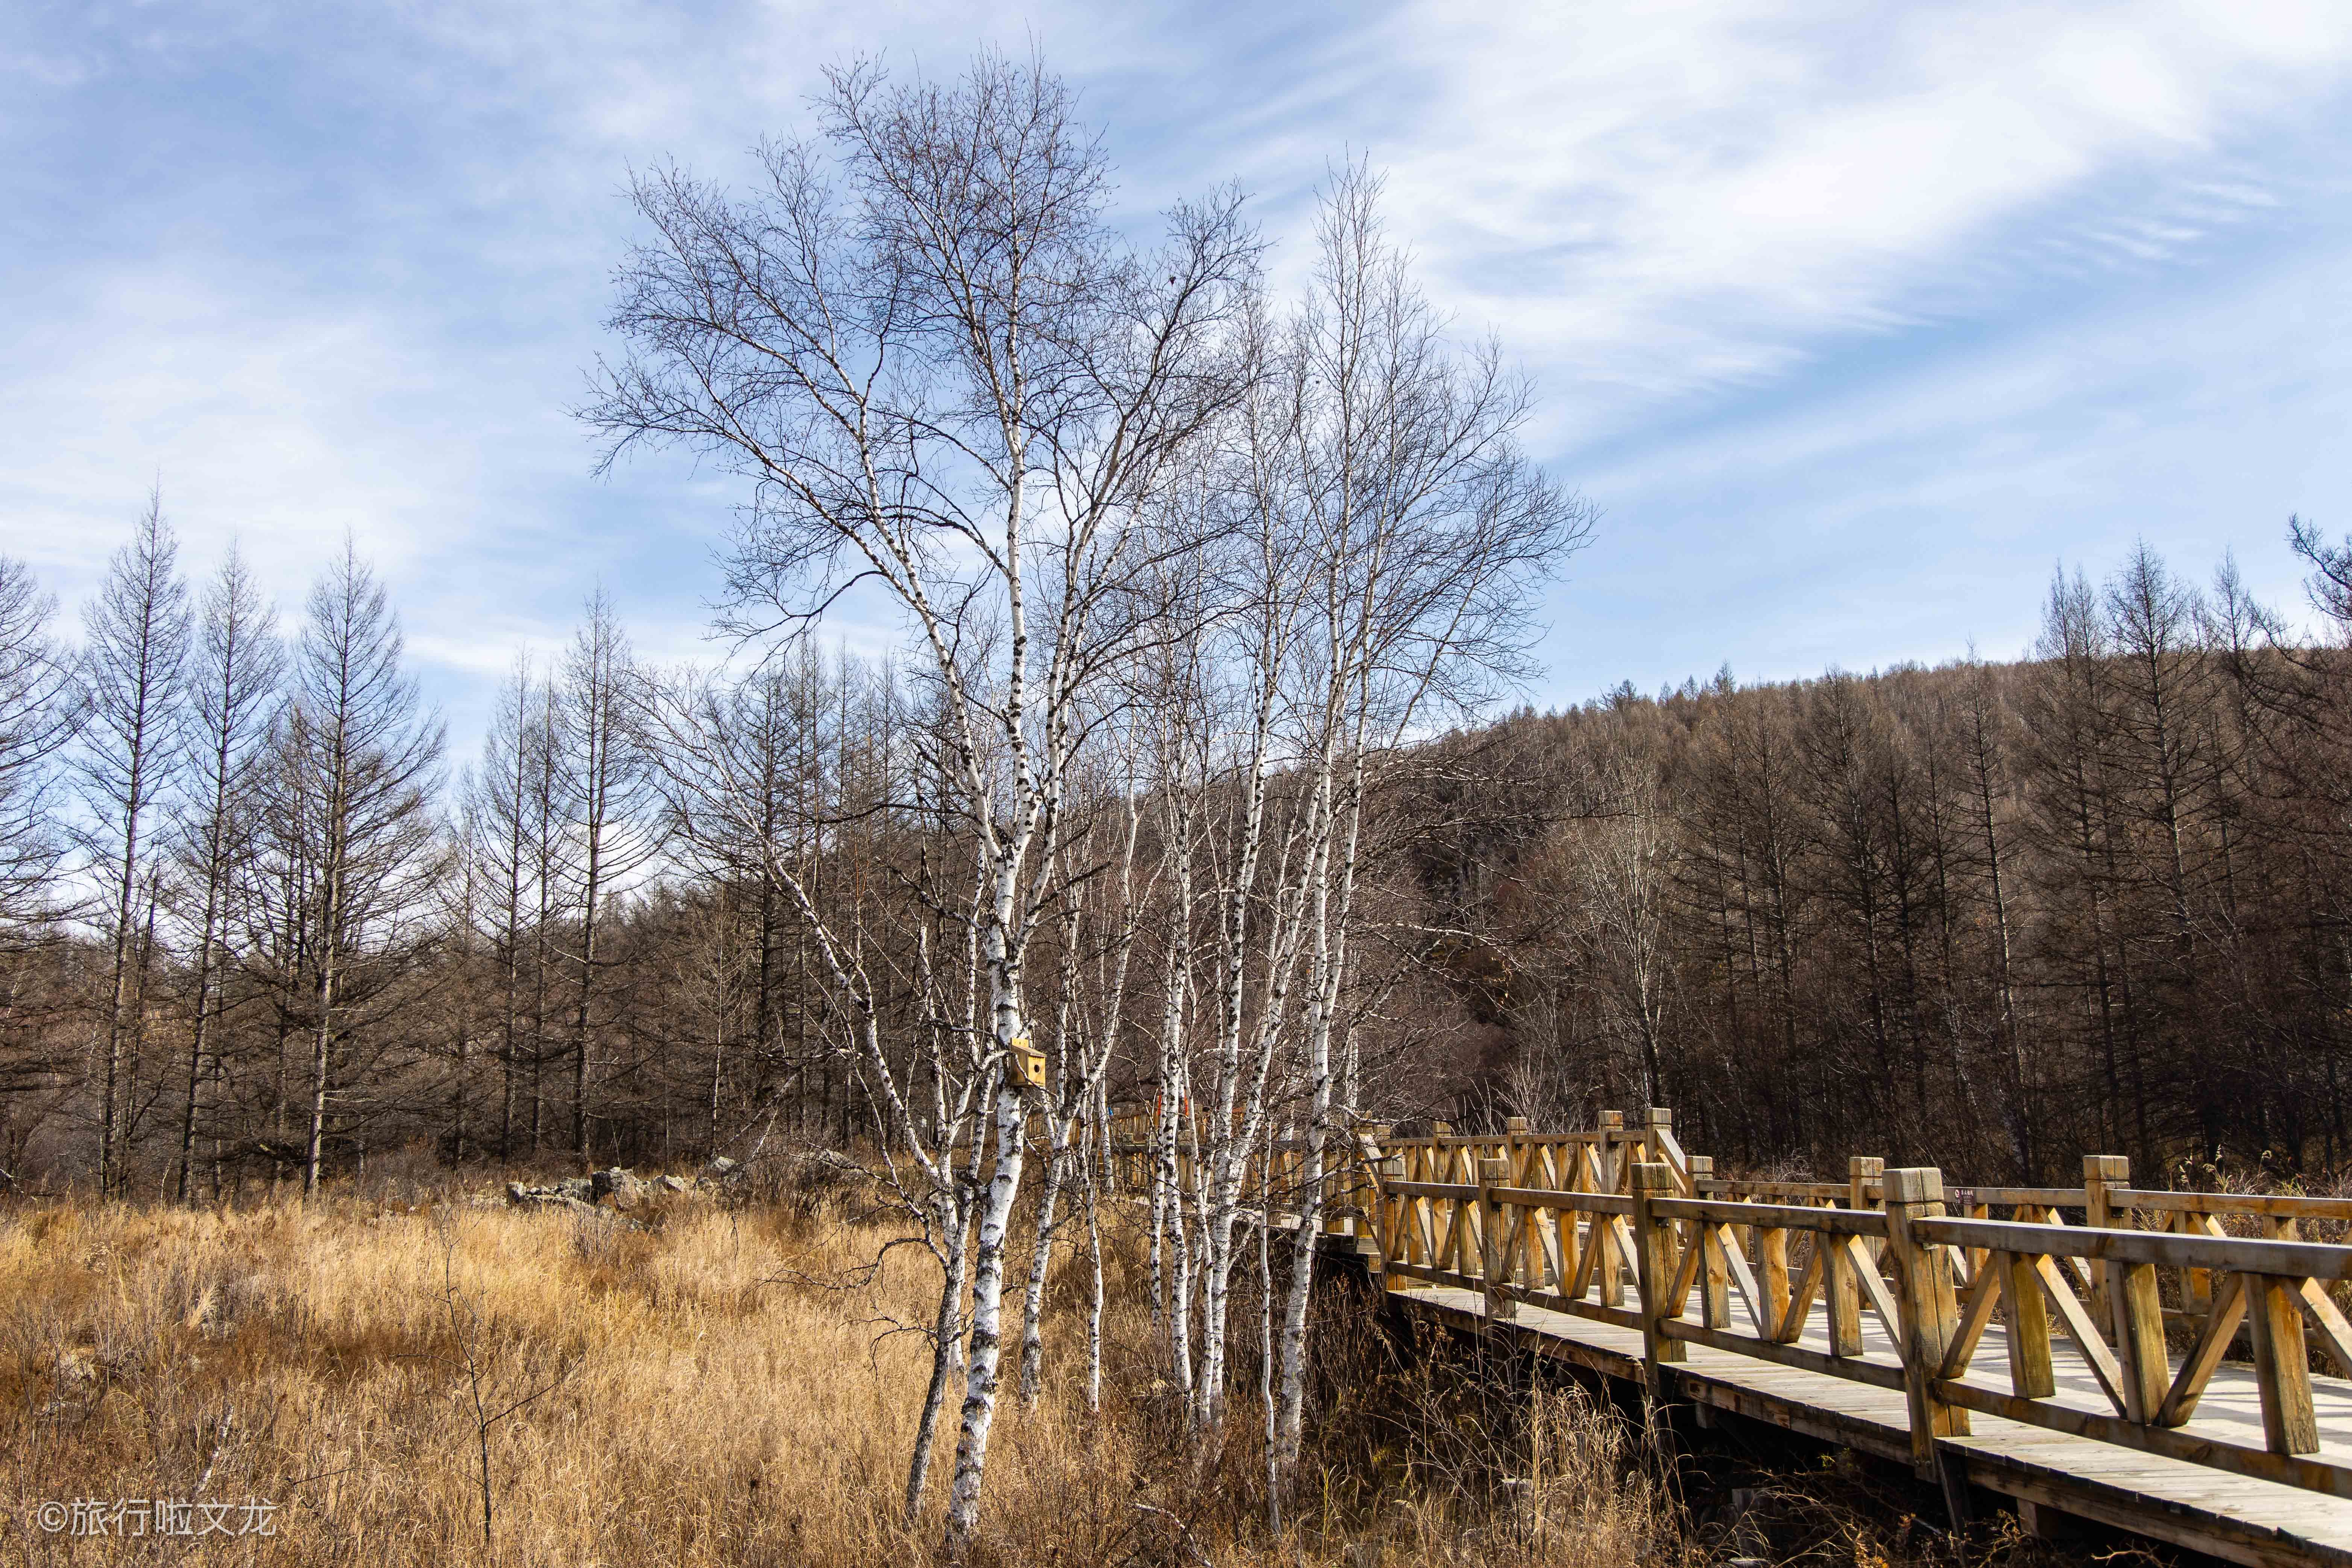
(2238, 1518)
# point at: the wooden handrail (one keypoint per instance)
(2280, 1259)
(2267, 1204)
(1565, 1201)
(1776, 1216)
(1451, 1192)
(2057, 1197)
(2012, 1197)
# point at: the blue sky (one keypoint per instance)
(1853, 320)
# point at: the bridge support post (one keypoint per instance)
(1654, 1279)
(1494, 1244)
(1930, 1310)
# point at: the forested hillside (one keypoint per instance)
(1991, 915)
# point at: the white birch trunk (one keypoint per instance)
(1041, 1259)
(947, 1348)
(987, 1318)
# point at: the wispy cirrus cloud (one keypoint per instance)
(1671, 196)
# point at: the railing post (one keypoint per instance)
(1713, 1273)
(1389, 1218)
(2124, 1296)
(1843, 1290)
(1658, 1146)
(1610, 1158)
(2196, 1284)
(1654, 1270)
(1373, 1147)
(2101, 1171)
(1494, 1252)
(1860, 1170)
(1930, 1320)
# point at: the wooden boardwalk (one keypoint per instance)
(2237, 1518)
(2173, 1364)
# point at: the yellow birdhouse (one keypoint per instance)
(1029, 1062)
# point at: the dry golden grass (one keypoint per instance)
(693, 1412)
(718, 1387)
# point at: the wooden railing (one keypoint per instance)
(1886, 1278)
(2272, 1285)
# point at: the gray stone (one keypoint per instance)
(546, 1200)
(575, 1195)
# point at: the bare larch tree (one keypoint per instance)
(353, 784)
(135, 641)
(611, 832)
(233, 690)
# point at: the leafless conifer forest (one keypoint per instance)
(1195, 791)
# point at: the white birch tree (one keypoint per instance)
(1425, 527)
(951, 387)
(1386, 530)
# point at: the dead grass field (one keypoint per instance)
(713, 1388)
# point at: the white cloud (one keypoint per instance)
(1924, 508)
(255, 422)
(343, 265)
(1660, 198)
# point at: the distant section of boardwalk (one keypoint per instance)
(2135, 1364)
